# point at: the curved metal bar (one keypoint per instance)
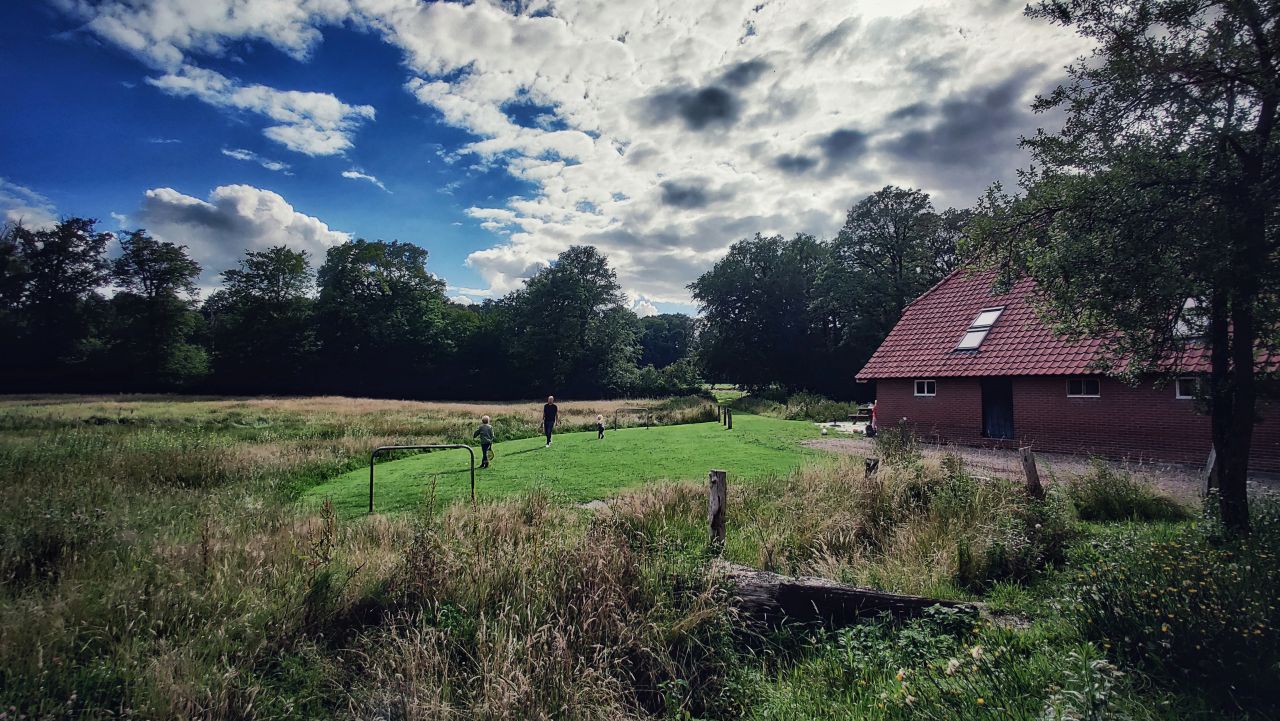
(380, 449)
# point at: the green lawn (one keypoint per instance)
(578, 467)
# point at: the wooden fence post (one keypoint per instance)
(717, 493)
(871, 466)
(1211, 471)
(730, 426)
(1034, 489)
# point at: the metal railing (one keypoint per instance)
(373, 456)
(645, 413)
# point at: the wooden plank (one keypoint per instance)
(717, 494)
(771, 599)
(1211, 470)
(1034, 489)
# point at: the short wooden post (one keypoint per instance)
(730, 425)
(1034, 489)
(717, 493)
(1211, 471)
(871, 466)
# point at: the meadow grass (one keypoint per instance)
(161, 568)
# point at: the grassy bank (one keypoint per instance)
(160, 569)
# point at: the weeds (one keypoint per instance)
(1106, 493)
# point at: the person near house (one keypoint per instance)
(550, 414)
(485, 434)
(599, 426)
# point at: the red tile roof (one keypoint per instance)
(923, 342)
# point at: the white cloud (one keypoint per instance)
(309, 123)
(234, 219)
(644, 308)
(251, 157)
(664, 129)
(354, 174)
(462, 300)
(20, 204)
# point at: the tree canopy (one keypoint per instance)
(1154, 209)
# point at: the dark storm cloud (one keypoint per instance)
(684, 194)
(834, 151)
(843, 145)
(691, 193)
(967, 128)
(914, 111)
(795, 164)
(745, 73)
(698, 108)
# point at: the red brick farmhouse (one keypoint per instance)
(965, 365)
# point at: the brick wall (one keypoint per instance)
(1139, 423)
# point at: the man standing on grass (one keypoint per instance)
(485, 434)
(550, 413)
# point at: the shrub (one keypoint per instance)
(1191, 608)
(1107, 493)
(897, 444)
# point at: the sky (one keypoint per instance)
(498, 134)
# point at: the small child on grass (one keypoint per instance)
(599, 426)
(485, 434)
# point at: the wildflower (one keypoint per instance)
(952, 665)
(980, 701)
(902, 673)
(976, 652)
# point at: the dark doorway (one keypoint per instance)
(997, 407)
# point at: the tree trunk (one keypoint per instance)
(770, 599)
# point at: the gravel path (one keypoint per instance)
(1179, 480)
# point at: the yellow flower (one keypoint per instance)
(980, 701)
(1164, 627)
(902, 673)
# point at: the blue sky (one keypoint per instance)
(497, 134)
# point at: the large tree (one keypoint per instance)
(380, 318)
(49, 301)
(758, 308)
(1153, 212)
(893, 247)
(156, 329)
(262, 337)
(572, 332)
(665, 339)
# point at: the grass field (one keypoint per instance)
(578, 467)
(156, 562)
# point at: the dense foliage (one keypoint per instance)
(805, 314)
(373, 320)
(1171, 142)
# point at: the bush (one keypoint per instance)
(897, 444)
(1192, 609)
(1106, 493)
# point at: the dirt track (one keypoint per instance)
(1176, 479)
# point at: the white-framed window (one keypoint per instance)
(1083, 388)
(979, 328)
(926, 388)
(1186, 388)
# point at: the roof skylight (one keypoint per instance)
(979, 328)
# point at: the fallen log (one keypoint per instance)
(769, 599)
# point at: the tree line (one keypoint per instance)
(371, 320)
(798, 314)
